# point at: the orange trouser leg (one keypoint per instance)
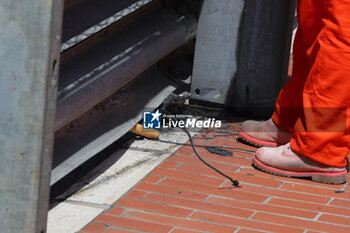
(313, 104)
(289, 104)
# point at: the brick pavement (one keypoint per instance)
(183, 195)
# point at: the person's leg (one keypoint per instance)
(289, 104)
(321, 134)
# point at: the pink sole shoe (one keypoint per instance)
(256, 142)
(321, 177)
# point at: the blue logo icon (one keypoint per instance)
(151, 120)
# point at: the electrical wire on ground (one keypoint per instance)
(234, 182)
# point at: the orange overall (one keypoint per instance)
(315, 104)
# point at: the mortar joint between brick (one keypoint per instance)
(267, 200)
(237, 230)
(280, 187)
(344, 187)
(330, 201)
(223, 183)
(177, 166)
(239, 169)
(117, 228)
(207, 199)
(159, 181)
(252, 215)
(190, 215)
(317, 216)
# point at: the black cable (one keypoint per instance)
(234, 182)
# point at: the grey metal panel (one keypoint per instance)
(97, 67)
(29, 55)
(244, 67)
(85, 18)
(215, 63)
(108, 121)
(82, 15)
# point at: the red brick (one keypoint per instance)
(169, 164)
(256, 172)
(176, 191)
(347, 189)
(225, 159)
(217, 164)
(185, 150)
(232, 192)
(243, 223)
(335, 219)
(249, 179)
(233, 128)
(188, 176)
(262, 207)
(94, 228)
(132, 224)
(137, 194)
(111, 230)
(283, 193)
(237, 152)
(315, 190)
(230, 131)
(241, 177)
(199, 205)
(154, 207)
(305, 224)
(183, 231)
(340, 202)
(218, 135)
(117, 211)
(234, 161)
(248, 231)
(152, 179)
(204, 170)
(222, 142)
(233, 143)
(181, 222)
(203, 142)
(309, 206)
(227, 144)
(204, 137)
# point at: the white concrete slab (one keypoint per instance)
(66, 218)
(135, 163)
